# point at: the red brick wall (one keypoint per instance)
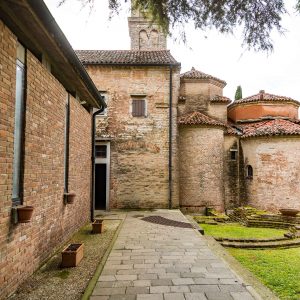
(24, 246)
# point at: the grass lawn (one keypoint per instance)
(279, 269)
(239, 231)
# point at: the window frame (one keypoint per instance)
(19, 116)
(249, 172)
(143, 100)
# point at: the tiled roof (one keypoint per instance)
(273, 127)
(195, 74)
(263, 96)
(232, 129)
(220, 99)
(126, 57)
(197, 118)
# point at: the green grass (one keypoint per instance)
(239, 231)
(279, 269)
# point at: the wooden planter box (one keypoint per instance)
(24, 213)
(97, 226)
(72, 255)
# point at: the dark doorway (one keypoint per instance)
(100, 186)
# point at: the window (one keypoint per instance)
(19, 124)
(138, 108)
(249, 172)
(101, 151)
(233, 154)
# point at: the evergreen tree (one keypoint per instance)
(238, 93)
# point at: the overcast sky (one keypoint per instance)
(210, 52)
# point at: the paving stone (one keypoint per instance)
(241, 296)
(180, 289)
(169, 275)
(182, 281)
(150, 297)
(195, 296)
(122, 297)
(229, 281)
(100, 291)
(204, 288)
(157, 282)
(174, 296)
(147, 276)
(137, 290)
(160, 289)
(126, 277)
(107, 278)
(206, 281)
(99, 297)
(142, 283)
(191, 275)
(218, 296)
(232, 288)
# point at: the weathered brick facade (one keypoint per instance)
(201, 168)
(276, 172)
(23, 247)
(139, 145)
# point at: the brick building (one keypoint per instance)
(46, 100)
(173, 140)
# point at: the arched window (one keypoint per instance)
(144, 40)
(154, 39)
(249, 172)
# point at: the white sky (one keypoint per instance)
(210, 52)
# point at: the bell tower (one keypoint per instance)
(144, 34)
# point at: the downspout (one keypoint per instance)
(93, 159)
(170, 135)
(67, 149)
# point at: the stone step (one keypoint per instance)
(269, 224)
(263, 245)
(251, 240)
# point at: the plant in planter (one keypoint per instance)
(97, 226)
(72, 255)
(69, 197)
(24, 213)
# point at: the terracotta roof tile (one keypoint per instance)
(232, 129)
(197, 118)
(270, 128)
(263, 96)
(220, 99)
(195, 74)
(126, 57)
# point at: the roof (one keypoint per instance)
(126, 57)
(262, 96)
(197, 118)
(274, 127)
(36, 29)
(195, 74)
(220, 99)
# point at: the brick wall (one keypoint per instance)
(139, 146)
(201, 168)
(24, 246)
(276, 172)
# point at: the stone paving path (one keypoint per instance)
(158, 262)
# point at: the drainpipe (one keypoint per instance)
(93, 159)
(67, 148)
(170, 135)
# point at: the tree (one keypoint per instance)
(238, 93)
(257, 18)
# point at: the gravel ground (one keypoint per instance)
(53, 282)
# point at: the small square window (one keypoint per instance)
(101, 151)
(233, 154)
(138, 108)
